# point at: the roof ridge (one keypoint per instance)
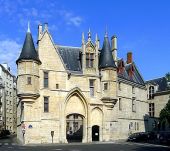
(154, 79)
(68, 46)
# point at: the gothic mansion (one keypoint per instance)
(81, 93)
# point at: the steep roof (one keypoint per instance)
(125, 73)
(106, 58)
(161, 82)
(71, 57)
(28, 51)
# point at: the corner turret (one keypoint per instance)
(108, 72)
(28, 70)
(106, 58)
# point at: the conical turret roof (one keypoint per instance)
(106, 58)
(28, 51)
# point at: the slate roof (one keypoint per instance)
(134, 77)
(106, 58)
(161, 82)
(71, 57)
(28, 51)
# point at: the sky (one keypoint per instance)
(141, 26)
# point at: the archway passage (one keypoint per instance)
(95, 133)
(74, 127)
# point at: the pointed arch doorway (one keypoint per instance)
(74, 127)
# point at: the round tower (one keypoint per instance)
(108, 72)
(28, 70)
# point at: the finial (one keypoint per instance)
(106, 34)
(28, 30)
(96, 37)
(89, 35)
(82, 37)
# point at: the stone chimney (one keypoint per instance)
(45, 26)
(129, 57)
(114, 48)
(39, 31)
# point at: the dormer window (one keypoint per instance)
(121, 67)
(89, 60)
(151, 92)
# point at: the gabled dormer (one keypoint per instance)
(90, 55)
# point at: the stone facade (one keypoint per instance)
(108, 106)
(158, 91)
(8, 99)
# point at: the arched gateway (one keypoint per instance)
(74, 127)
(76, 117)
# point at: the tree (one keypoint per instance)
(165, 114)
(168, 76)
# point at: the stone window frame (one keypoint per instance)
(89, 60)
(45, 79)
(133, 89)
(57, 86)
(29, 80)
(105, 86)
(46, 104)
(119, 86)
(120, 104)
(152, 109)
(151, 92)
(133, 105)
(92, 87)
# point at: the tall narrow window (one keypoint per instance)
(120, 104)
(119, 86)
(151, 92)
(133, 105)
(151, 109)
(105, 86)
(137, 126)
(57, 86)
(91, 87)
(46, 104)
(45, 79)
(89, 60)
(133, 89)
(29, 80)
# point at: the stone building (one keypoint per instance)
(158, 96)
(7, 99)
(81, 93)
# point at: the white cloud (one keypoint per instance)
(45, 12)
(70, 18)
(76, 20)
(9, 50)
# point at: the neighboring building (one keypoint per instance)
(77, 93)
(7, 99)
(158, 96)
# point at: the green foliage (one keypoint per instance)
(168, 76)
(165, 113)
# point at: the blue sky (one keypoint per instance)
(142, 26)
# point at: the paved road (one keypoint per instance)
(10, 145)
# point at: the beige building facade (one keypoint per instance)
(85, 93)
(158, 96)
(8, 99)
